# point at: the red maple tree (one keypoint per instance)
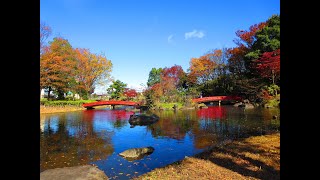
(268, 65)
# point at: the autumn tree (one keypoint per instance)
(220, 58)
(116, 89)
(269, 65)
(236, 62)
(45, 32)
(247, 62)
(201, 69)
(130, 93)
(57, 66)
(173, 74)
(91, 70)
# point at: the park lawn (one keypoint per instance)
(251, 158)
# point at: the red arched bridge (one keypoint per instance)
(217, 98)
(112, 102)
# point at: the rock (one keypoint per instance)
(238, 104)
(136, 153)
(274, 117)
(73, 173)
(202, 105)
(142, 119)
(249, 106)
(246, 101)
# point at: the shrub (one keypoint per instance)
(65, 103)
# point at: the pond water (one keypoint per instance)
(97, 136)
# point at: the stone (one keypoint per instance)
(85, 172)
(136, 153)
(142, 119)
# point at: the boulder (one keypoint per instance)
(249, 106)
(239, 104)
(136, 153)
(73, 173)
(142, 119)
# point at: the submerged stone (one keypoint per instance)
(136, 153)
(142, 119)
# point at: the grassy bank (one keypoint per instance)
(251, 158)
(61, 106)
(57, 109)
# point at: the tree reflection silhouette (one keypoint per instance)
(61, 148)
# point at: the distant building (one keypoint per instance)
(44, 94)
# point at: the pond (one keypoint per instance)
(98, 136)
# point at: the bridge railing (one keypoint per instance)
(112, 102)
(217, 98)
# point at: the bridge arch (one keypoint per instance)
(112, 102)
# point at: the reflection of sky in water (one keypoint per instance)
(174, 136)
(52, 123)
(167, 151)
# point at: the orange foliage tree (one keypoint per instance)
(56, 66)
(236, 63)
(247, 38)
(201, 69)
(91, 69)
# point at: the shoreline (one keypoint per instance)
(256, 157)
(60, 109)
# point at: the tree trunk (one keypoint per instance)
(49, 93)
(273, 77)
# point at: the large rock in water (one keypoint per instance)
(136, 153)
(86, 172)
(142, 119)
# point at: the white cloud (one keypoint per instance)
(170, 38)
(194, 34)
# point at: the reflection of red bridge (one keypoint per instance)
(217, 98)
(113, 103)
(212, 112)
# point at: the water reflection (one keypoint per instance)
(69, 140)
(212, 112)
(173, 124)
(98, 136)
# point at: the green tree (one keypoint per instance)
(154, 76)
(247, 62)
(267, 39)
(116, 89)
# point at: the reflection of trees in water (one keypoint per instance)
(118, 117)
(212, 125)
(61, 148)
(217, 124)
(173, 124)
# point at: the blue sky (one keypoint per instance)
(137, 35)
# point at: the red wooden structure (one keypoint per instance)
(217, 98)
(101, 103)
